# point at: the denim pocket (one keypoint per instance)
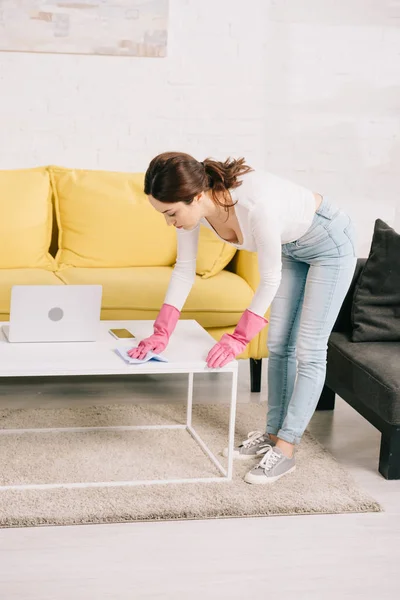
(316, 234)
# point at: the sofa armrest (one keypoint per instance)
(245, 264)
(343, 322)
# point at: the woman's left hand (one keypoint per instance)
(223, 352)
(231, 345)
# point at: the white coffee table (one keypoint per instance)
(186, 353)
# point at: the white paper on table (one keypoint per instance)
(123, 353)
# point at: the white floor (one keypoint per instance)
(305, 557)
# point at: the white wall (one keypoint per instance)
(309, 89)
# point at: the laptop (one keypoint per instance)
(54, 313)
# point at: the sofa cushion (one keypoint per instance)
(138, 293)
(10, 277)
(25, 219)
(105, 220)
(376, 300)
(369, 372)
(213, 254)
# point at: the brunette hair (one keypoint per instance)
(178, 177)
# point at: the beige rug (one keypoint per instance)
(319, 485)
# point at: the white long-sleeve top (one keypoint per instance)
(271, 211)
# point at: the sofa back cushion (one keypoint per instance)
(213, 254)
(376, 300)
(25, 219)
(105, 220)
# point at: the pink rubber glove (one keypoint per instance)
(233, 344)
(164, 325)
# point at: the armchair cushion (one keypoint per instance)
(376, 301)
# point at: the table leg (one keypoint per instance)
(232, 420)
(189, 401)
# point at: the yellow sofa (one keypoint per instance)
(72, 226)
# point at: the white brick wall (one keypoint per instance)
(309, 90)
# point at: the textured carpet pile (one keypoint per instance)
(319, 485)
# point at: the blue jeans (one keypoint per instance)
(317, 270)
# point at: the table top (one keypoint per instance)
(186, 353)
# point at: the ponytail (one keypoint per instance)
(223, 176)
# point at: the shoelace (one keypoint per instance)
(269, 460)
(254, 437)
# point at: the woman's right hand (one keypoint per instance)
(155, 343)
(164, 325)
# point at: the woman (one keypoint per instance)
(306, 261)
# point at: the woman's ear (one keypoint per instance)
(199, 197)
